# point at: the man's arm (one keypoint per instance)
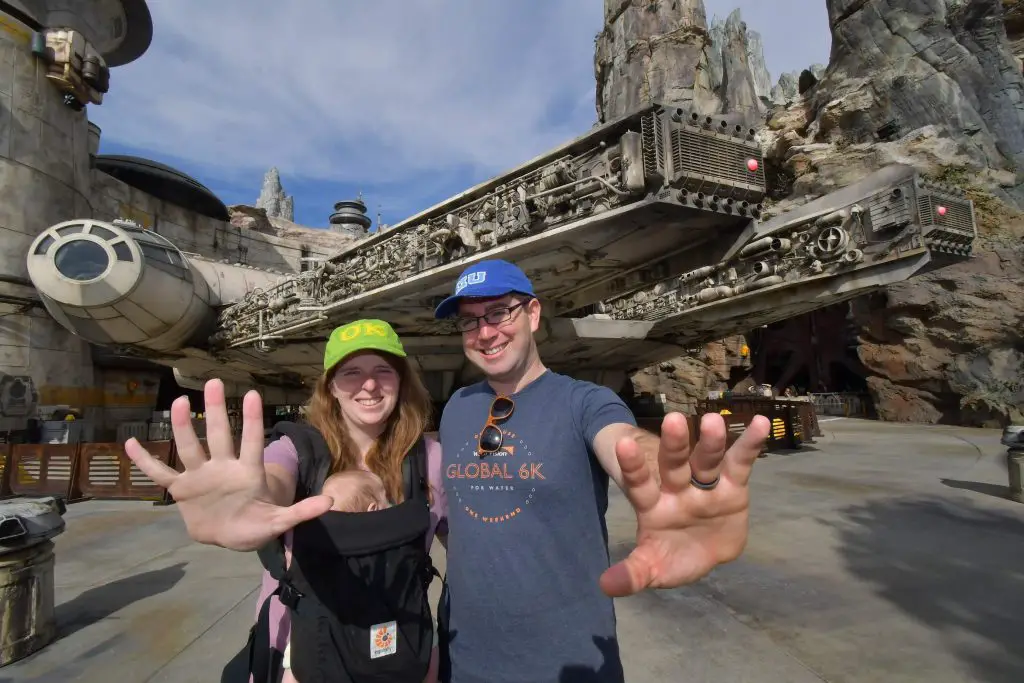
(604, 446)
(604, 419)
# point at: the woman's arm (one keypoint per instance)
(281, 463)
(435, 479)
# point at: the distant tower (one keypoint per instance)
(273, 199)
(350, 218)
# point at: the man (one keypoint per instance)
(527, 456)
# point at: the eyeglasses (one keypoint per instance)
(495, 316)
(491, 436)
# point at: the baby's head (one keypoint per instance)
(356, 491)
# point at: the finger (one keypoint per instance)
(190, 452)
(306, 509)
(708, 453)
(161, 474)
(218, 429)
(630, 576)
(637, 480)
(251, 450)
(739, 461)
(674, 453)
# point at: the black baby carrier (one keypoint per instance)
(356, 589)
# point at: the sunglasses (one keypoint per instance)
(491, 436)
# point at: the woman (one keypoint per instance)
(370, 407)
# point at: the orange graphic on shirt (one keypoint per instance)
(503, 481)
(381, 638)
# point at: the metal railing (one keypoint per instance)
(793, 422)
(842, 404)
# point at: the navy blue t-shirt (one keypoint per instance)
(527, 537)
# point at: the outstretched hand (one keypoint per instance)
(223, 497)
(684, 530)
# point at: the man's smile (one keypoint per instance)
(494, 350)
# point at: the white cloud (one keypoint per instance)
(370, 91)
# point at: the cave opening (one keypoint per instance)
(846, 381)
(812, 353)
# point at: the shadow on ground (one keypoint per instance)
(956, 569)
(994, 490)
(96, 604)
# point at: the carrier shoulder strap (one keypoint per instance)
(414, 474)
(314, 459)
(314, 455)
(414, 469)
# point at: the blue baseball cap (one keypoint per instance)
(484, 280)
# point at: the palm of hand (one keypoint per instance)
(225, 502)
(224, 498)
(683, 531)
(683, 537)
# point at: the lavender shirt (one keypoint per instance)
(282, 452)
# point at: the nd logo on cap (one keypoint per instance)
(477, 278)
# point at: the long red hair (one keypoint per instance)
(405, 426)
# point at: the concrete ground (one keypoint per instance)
(881, 553)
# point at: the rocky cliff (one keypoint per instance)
(665, 51)
(273, 198)
(1014, 18)
(256, 219)
(933, 83)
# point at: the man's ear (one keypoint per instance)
(533, 309)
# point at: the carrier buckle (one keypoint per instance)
(289, 595)
(430, 571)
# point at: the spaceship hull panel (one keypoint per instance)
(119, 285)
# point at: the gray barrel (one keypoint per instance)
(26, 574)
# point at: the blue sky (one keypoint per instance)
(408, 101)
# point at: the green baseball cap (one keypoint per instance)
(361, 335)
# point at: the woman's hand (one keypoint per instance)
(223, 497)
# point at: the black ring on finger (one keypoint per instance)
(705, 486)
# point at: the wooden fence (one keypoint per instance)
(81, 471)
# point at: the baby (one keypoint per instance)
(356, 491)
(352, 491)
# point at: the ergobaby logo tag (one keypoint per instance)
(383, 639)
(470, 279)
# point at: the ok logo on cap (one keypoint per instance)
(359, 329)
